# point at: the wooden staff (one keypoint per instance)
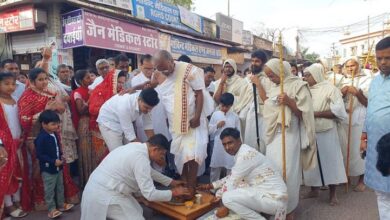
(349, 131)
(368, 55)
(282, 107)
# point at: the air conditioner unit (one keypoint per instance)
(40, 17)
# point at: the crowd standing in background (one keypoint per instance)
(107, 133)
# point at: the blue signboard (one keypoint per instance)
(189, 47)
(162, 13)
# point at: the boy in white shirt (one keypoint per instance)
(221, 119)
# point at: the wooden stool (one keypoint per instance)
(182, 212)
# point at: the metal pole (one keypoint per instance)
(228, 8)
(256, 116)
(368, 34)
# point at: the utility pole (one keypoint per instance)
(368, 34)
(228, 8)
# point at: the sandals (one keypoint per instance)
(18, 213)
(54, 214)
(66, 207)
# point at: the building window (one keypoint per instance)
(354, 51)
(362, 48)
(345, 53)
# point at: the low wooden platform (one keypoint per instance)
(182, 212)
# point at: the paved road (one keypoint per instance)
(353, 206)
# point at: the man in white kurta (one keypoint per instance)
(187, 104)
(158, 115)
(328, 108)
(356, 93)
(124, 172)
(117, 115)
(254, 186)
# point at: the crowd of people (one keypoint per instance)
(109, 133)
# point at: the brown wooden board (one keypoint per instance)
(182, 212)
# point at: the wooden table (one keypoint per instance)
(182, 212)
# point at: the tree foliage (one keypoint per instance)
(185, 3)
(312, 57)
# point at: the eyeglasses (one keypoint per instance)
(104, 67)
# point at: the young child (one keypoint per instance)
(50, 162)
(22, 77)
(10, 136)
(221, 119)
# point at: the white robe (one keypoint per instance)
(219, 157)
(124, 171)
(250, 137)
(193, 144)
(293, 158)
(356, 163)
(329, 152)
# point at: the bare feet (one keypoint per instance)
(222, 212)
(311, 194)
(333, 201)
(360, 187)
(290, 216)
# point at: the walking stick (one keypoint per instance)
(320, 167)
(282, 107)
(349, 131)
(257, 120)
(368, 54)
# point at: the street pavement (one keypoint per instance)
(352, 206)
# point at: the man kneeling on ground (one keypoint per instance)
(254, 185)
(109, 191)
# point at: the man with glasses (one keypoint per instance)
(103, 67)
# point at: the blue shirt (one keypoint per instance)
(377, 124)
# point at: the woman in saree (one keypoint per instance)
(79, 99)
(113, 83)
(68, 132)
(34, 100)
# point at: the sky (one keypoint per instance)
(299, 14)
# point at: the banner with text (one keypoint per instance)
(166, 14)
(108, 33)
(72, 29)
(124, 4)
(189, 47)
(20, 19)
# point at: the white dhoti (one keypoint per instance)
(191, 146)
(249, 205)
(383, 205)
(113, 139)
(108, 204)
(293, 164)
(356, 163)
(331, 159)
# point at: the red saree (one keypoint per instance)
(31, 104)
(81, 123)
(99, 96)
(14, 170)
(84, 92)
